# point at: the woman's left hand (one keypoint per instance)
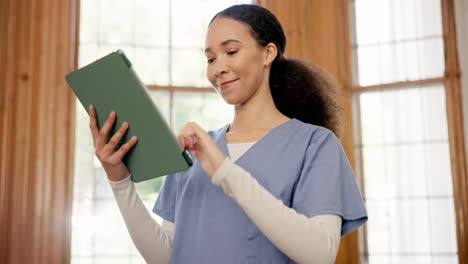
(194, 138)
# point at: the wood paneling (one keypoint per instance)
(37, 49)
(455, 128)
(318, 31)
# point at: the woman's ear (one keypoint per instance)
(271, 51)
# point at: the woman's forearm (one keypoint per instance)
(303, 239)
(154, 242)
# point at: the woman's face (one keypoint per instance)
(236, 63)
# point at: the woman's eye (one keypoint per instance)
(232, 52)
(210, 61)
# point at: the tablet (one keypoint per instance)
(111, 84)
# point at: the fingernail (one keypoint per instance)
(125, 124)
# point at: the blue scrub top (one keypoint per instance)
(302, 164)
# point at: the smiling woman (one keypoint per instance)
(291, 192)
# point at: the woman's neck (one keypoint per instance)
(259, 112)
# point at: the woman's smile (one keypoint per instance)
(226, 84)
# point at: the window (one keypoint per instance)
(401, 135)
(165, 41)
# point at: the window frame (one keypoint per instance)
(452, 84)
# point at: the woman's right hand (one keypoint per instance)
(110, 158)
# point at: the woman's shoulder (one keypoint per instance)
(314, 132)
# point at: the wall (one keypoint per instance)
(37, 49)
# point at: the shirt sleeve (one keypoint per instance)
(304, 240)
(154, 242)
(327, 184)
(165, 203)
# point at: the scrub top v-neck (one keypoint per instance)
(223, 141)
(301, 164)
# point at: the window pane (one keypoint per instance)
(396, 20)
(372, 20)
(190, 35)
(443, 228)
(398, 40)
(161, 99)
(402, 137)
(110, 237)
(435, 117)
(408, 233)
(439, 182)
(407, 175)
(372, 125)
(152, 24)
(88, 54)
(89, 32)
(151, 65)
(209, 110)
(189, 67)
(369, 63)
(117, 22)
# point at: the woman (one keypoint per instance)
(274, 186)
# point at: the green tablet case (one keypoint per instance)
(110, 84)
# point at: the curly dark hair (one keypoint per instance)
(299, 89)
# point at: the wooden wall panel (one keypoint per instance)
(318, 31)
(37, 49)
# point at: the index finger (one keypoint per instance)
(199, 132)
(194, 133)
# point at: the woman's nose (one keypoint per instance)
(220, 69)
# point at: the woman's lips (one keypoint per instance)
(225, 85)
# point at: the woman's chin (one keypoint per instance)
(231, 100)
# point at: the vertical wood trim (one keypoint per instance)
(37, 48)
(455, 128)
(318, 31)
(6, 22)
(74, 35)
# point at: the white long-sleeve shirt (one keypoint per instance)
(305, 240)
